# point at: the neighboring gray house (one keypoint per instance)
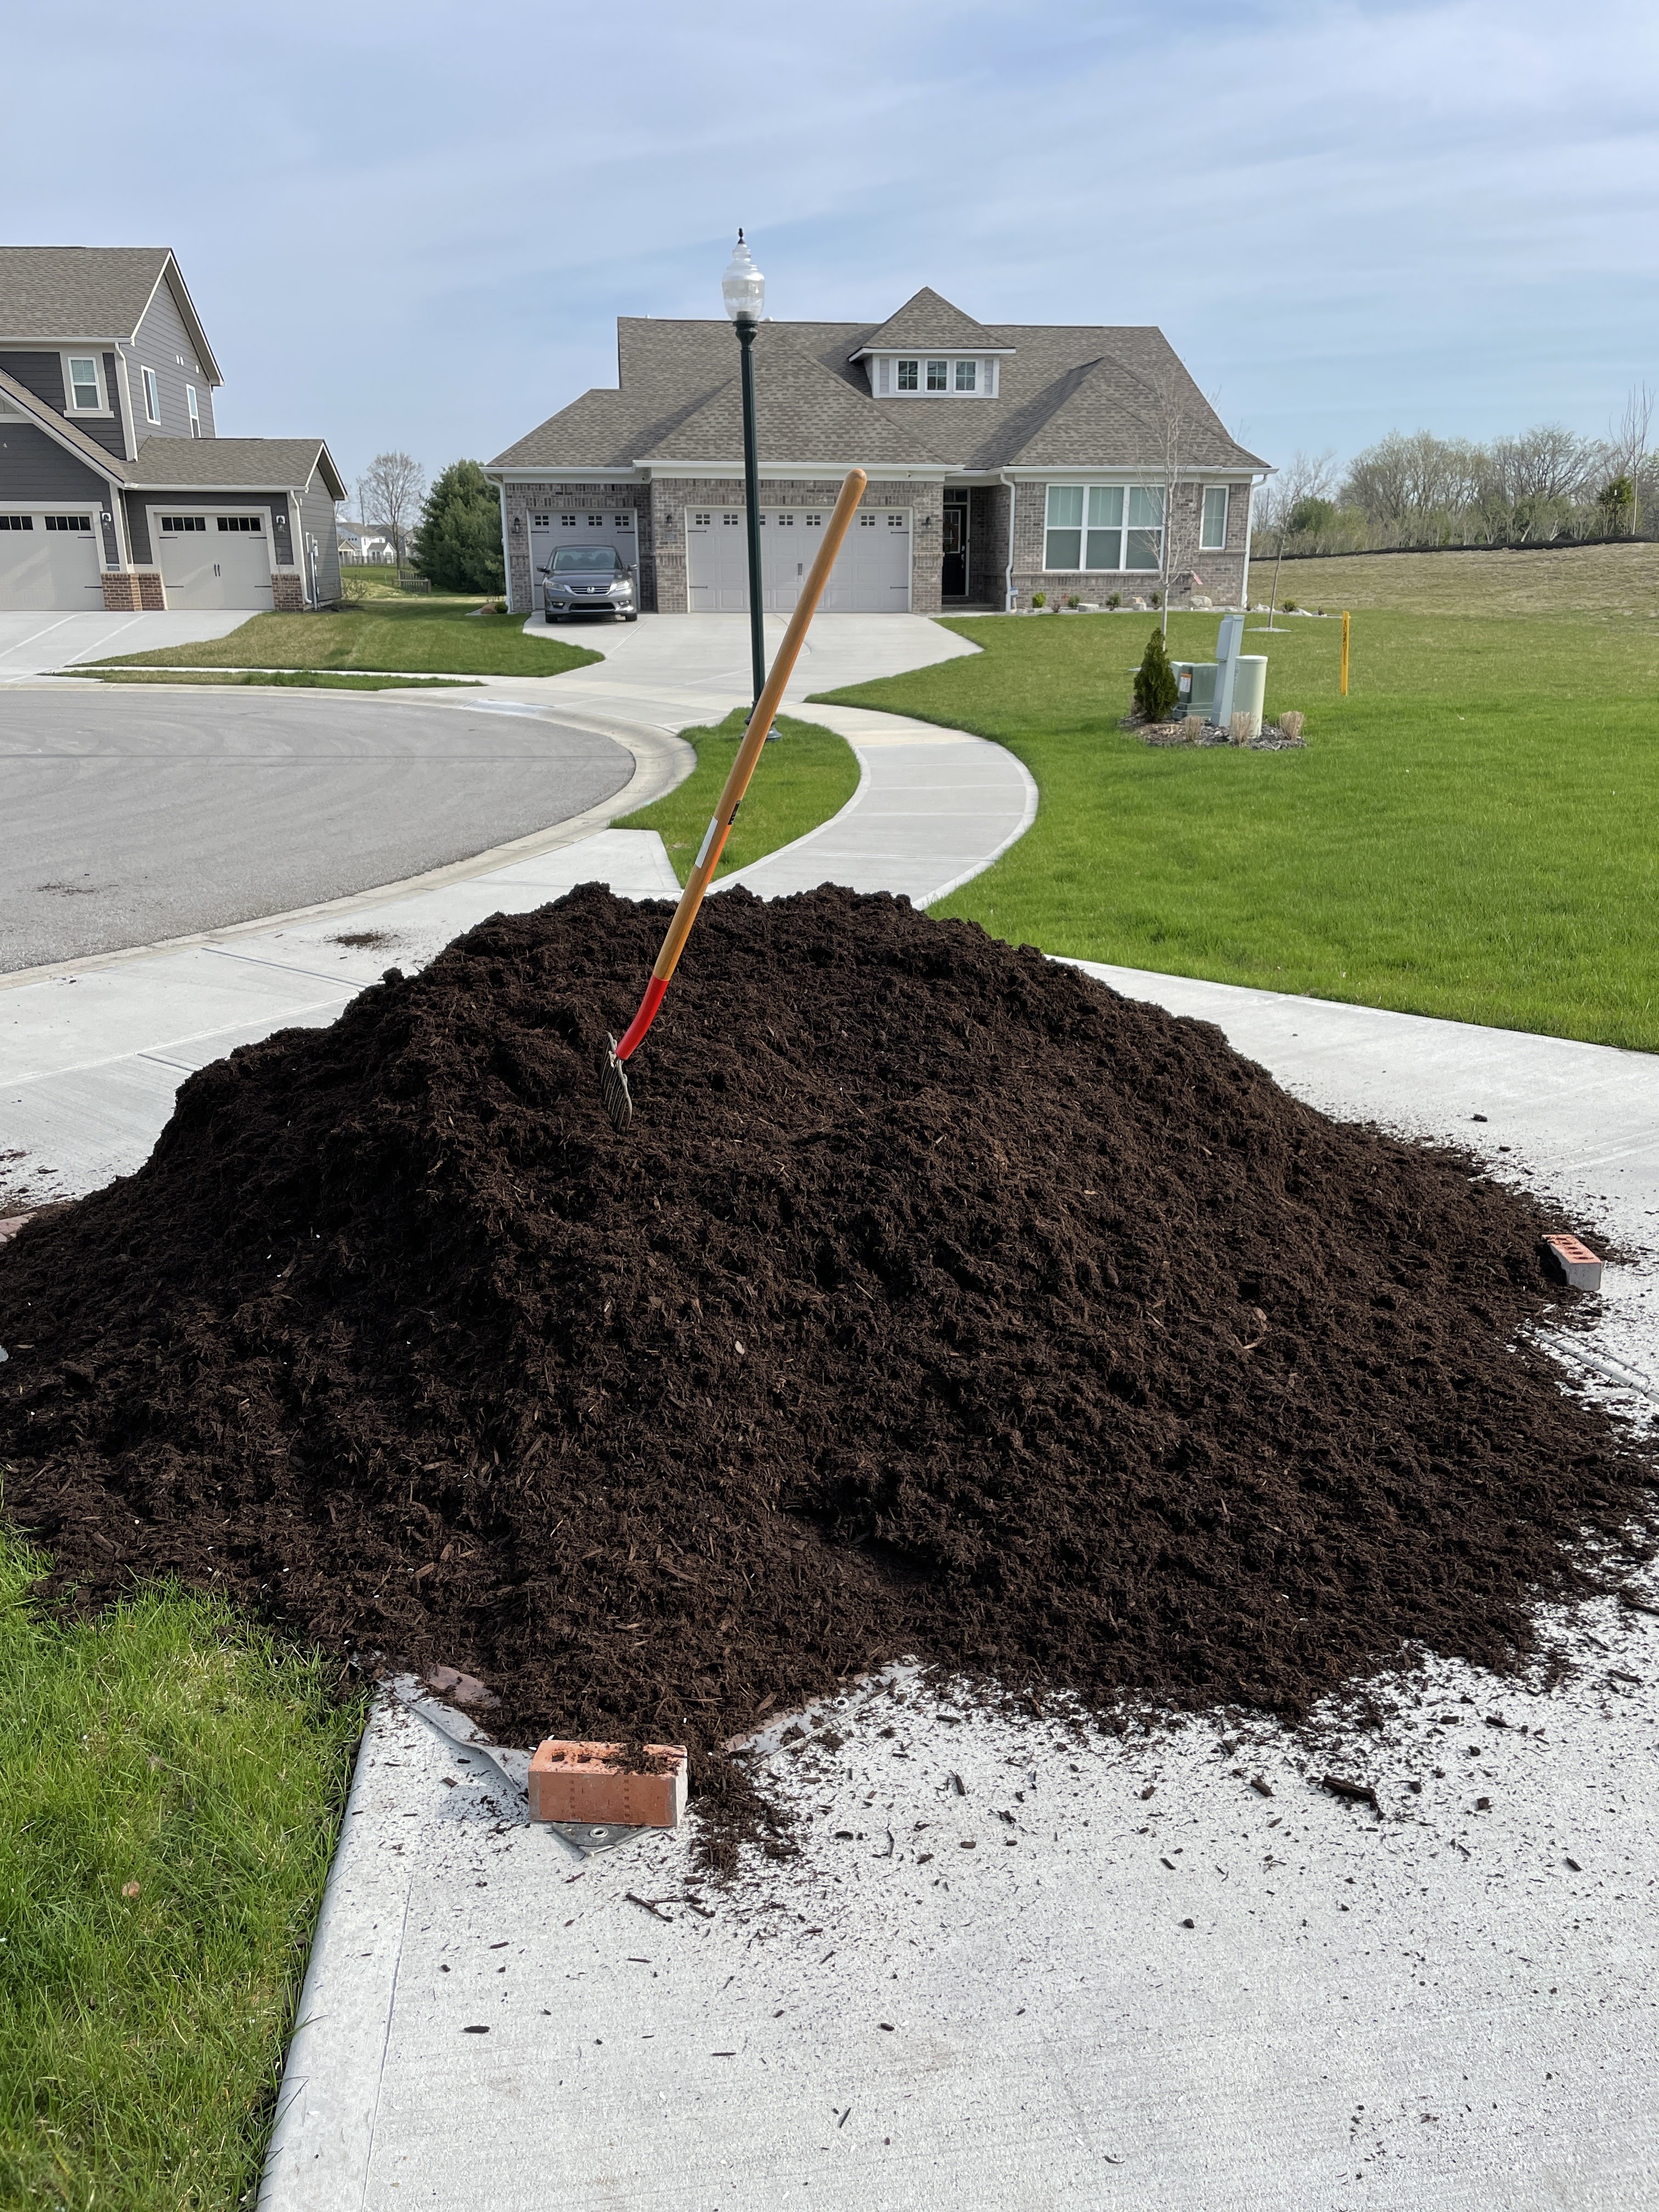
(115, 489)
(1004, 459)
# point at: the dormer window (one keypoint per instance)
(934, 379)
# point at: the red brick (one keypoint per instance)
(1573, 1261)
(579, 1782)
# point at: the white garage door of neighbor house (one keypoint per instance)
(549, 532)
(49, 560)
(213, 560)
(871, 574)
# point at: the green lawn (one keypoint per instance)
(305, 678)
(373, 579)
(412, 635)
(807, 776)
(1469, 833)
(173, 1782)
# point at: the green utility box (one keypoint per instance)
(1194, 687)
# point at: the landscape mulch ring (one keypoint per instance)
(939, 1303)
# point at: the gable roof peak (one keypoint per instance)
(926, 318)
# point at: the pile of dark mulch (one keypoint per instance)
(939, 1302)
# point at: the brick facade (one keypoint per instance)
(134, 591)
(1216, 576)
(659, 510)
(288, 592)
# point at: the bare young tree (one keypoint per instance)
(1173, 421)
(394, 484)
(1628, 443)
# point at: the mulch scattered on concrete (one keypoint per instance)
(939, 1301)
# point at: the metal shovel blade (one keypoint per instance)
(613, 1090)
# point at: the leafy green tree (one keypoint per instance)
(457, 546)
(1617, 501)
(1156, 688)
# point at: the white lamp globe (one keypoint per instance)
(743, 287)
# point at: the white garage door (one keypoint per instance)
(49, 560)
(213, 560)
(871, 574)
(549, 532)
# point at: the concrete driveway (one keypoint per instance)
(148, 815)
(35, 644)
(697, 659)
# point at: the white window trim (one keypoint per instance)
(147, 377)
(1126, 486)
(885, 376)
(81, 413)
(193, 410)
(1217, 544)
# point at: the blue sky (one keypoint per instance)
(415, 226)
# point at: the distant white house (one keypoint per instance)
(366, 545)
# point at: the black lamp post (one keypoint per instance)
(743, 289)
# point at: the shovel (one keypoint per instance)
(613, 1081)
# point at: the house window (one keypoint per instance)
(967, 376)
(85, 386)
(1212, 533)
(701, 522)
(786, 522)
(541, 522)
(195, 413)
(152, 395)
(174, 526)
(250, 523)
(1110, 527)
(937, 375)
(815, 522)
(731, 521)
(567, 521)
(596, 522)
(16, 522)
(896, 521)
(69, 522)
(866, 522)
(907, 372)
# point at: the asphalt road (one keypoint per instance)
(130, 816)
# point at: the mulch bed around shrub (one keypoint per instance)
(938, 1302)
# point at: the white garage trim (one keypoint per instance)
(229, 567)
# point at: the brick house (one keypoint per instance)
(1004, 460)
(116, 490)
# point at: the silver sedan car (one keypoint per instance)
(587, 579)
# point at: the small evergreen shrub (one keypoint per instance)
(1156, 688)
(1039, 599)
(1290, 606)
(1115, 600)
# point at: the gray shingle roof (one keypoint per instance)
(1077, 396)
(233, 464)
(924, 320)
(52, 293)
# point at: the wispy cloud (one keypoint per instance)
(417, 227)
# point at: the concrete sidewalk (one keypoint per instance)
(1015, 1967)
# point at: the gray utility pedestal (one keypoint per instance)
(1197, 679)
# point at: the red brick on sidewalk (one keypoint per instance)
(583, 1782)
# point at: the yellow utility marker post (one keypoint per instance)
(1344, 656)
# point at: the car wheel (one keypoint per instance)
(633, 617)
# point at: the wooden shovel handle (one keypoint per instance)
(760, 724)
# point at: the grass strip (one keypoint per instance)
(803, 779)
(172, 1781)
(1467, 835)
(306, 678)
(413, 636)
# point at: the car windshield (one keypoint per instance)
(585, 561)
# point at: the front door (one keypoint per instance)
(953, 571)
